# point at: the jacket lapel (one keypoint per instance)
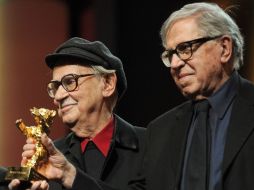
(72, 151)
(179, 138)
(124, 137)
(76, 156)
(109, 163)
(241, 125)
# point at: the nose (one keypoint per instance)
(61, 93)
(176, 62)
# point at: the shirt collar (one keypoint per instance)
(222, 99)
(103, 139)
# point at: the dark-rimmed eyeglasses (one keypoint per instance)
(69, 83)
(184, 50)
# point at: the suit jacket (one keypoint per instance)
(123, 160)
(167, 136)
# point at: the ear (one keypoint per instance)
(227, 49)
(109, 84)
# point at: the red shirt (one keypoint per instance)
(103, 139)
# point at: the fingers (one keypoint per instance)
(14, 184)
(39, 185)
(30, 140)
(28, 150)
(36, 185)
(48, 143)
(23, 161)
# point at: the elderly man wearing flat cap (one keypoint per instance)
(86, 85)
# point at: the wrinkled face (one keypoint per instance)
(80, 104)
(203, 73)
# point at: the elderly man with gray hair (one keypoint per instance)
(87, 83)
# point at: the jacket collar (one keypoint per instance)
(179, 135)
(125, 135)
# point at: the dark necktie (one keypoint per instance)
(197, 168)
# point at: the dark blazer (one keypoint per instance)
(167, 139)
(124, 158)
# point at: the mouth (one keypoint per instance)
(183, 75)
(66, 107)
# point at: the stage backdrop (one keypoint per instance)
(28, 30)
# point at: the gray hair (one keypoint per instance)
(102, 71)
(212, 21)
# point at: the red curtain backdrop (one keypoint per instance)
(30, 29)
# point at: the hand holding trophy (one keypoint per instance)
(28, 172)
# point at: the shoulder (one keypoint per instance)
(127, 135)
(246, 89)
(120, 122)
(172, 114)
(63, 143)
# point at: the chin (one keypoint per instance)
(189, 93)
(69, 121)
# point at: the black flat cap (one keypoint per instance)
(92, 53)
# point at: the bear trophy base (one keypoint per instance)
(24, 174)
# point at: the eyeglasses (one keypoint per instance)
(69, 83)
(184, 50)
